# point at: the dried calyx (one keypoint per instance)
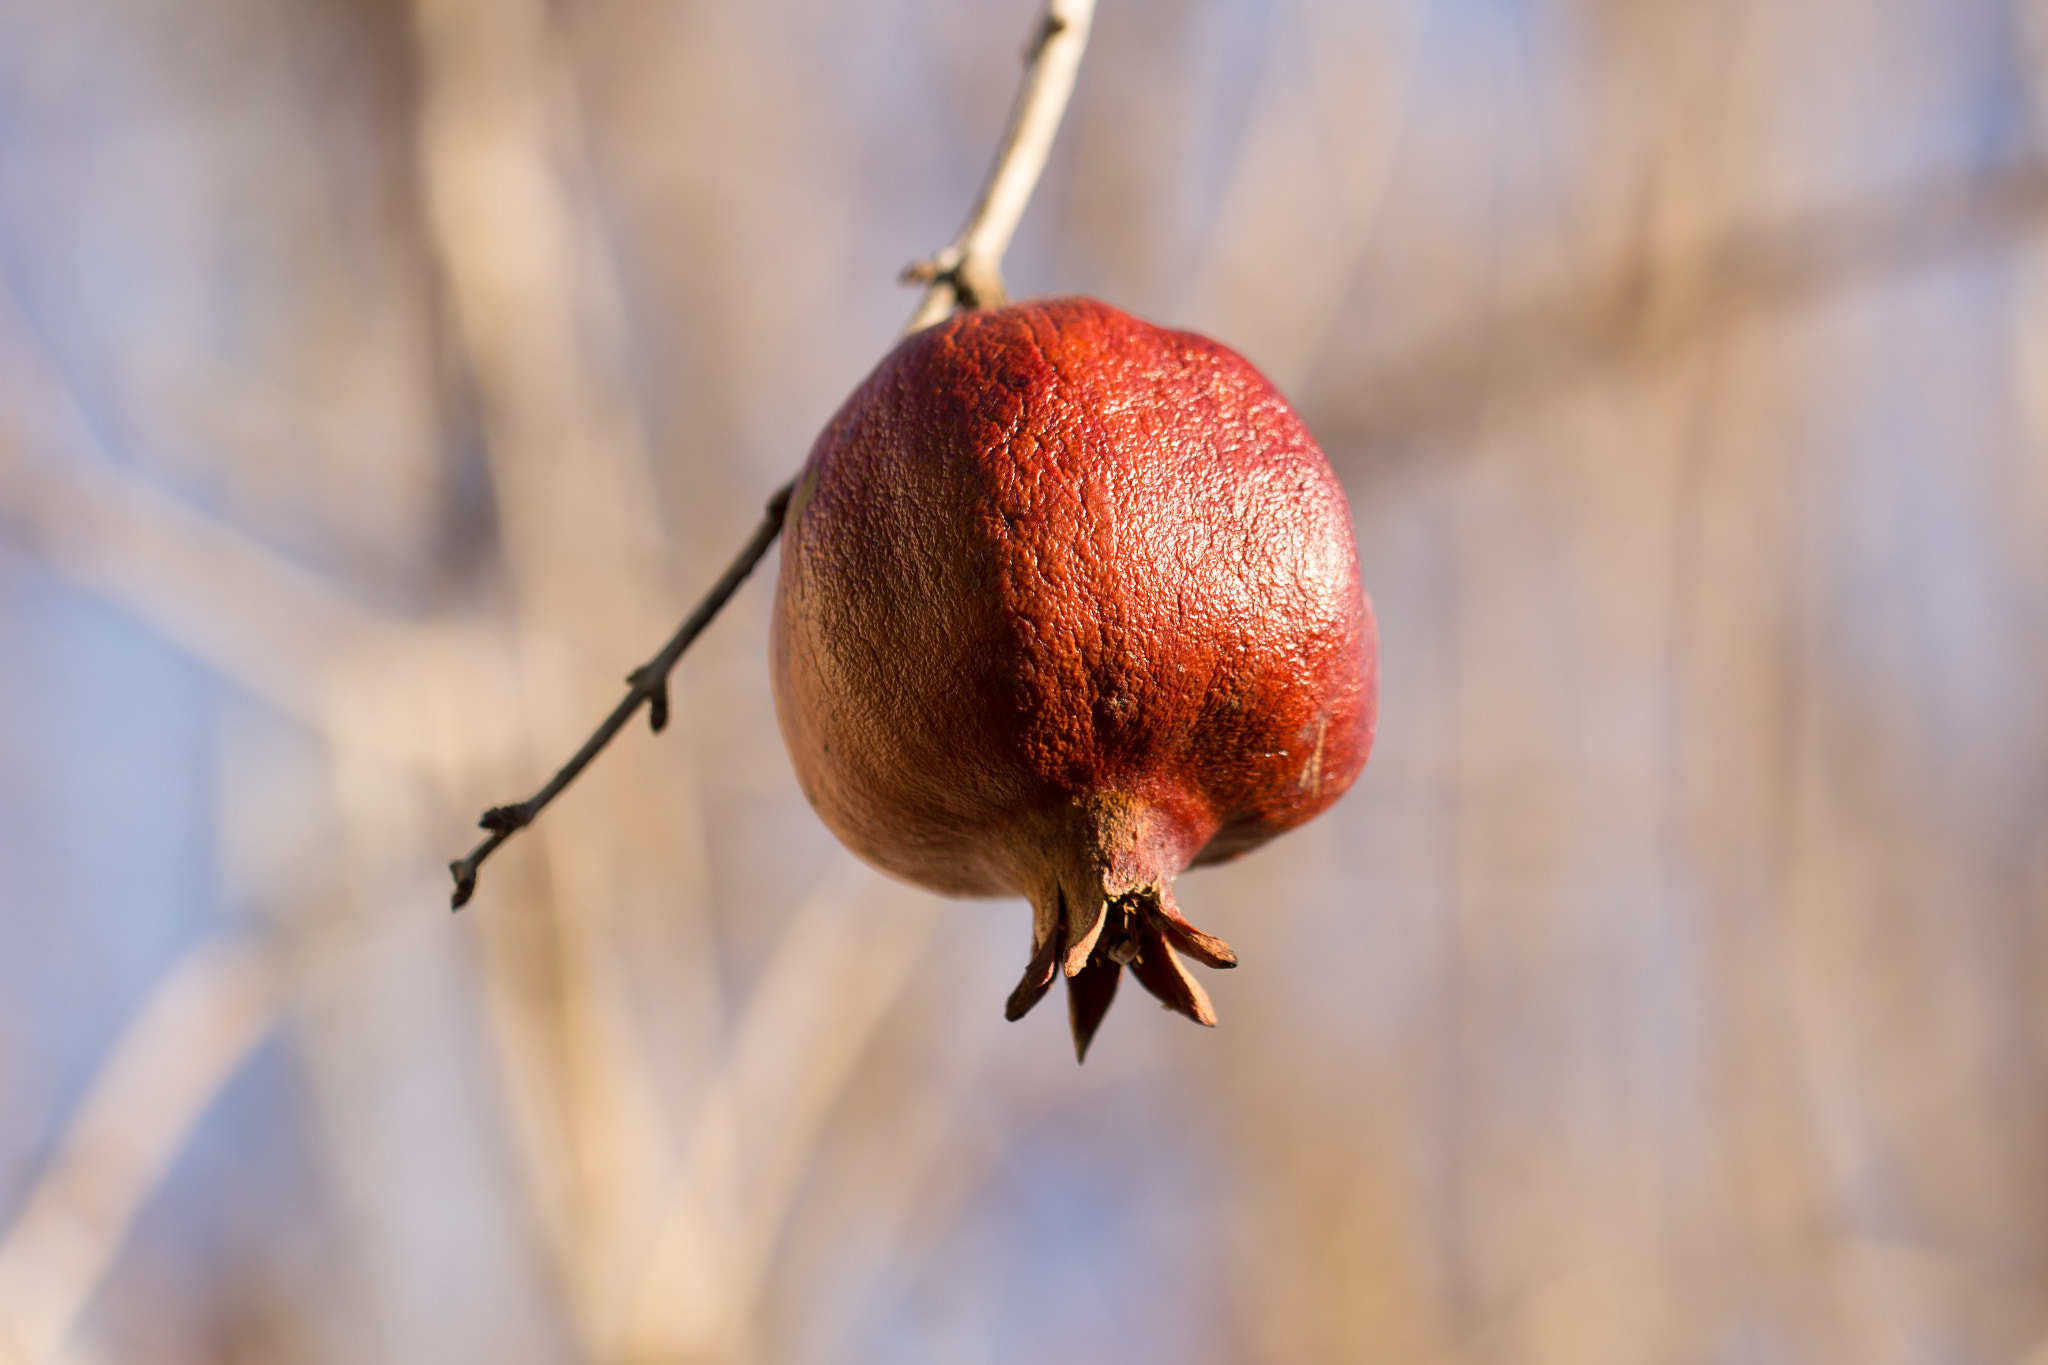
(1139, 930)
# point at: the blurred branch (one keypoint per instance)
(1543, 344)
(355, 676)
(191, 1036)
(169, 564)
(967, 274)
(524, 264)
(824, 993)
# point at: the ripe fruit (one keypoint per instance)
(1068, 603)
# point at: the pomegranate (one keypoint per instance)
(1068, 603)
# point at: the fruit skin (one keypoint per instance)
(1068, 603)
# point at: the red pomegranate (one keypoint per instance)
(1069, 603)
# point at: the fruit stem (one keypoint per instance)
(969, 273)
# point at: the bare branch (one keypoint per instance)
(648, 684)
(966, 274)
(969, 273)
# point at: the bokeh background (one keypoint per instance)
(379, 382)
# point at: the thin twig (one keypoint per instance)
(967, 274)
(647, 684)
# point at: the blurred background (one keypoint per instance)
(379, 382)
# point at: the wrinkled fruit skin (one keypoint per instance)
(1069, 603)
